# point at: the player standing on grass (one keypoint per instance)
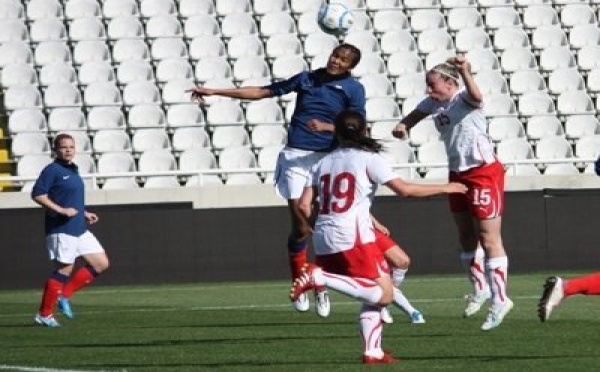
(458, 115)
(348, 259)
(60, 190)
(322, 94)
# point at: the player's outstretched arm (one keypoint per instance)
(252, 93)
(408, 189)
(412, 119)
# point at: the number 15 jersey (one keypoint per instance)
(346, 181)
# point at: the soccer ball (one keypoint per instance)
(335, 18)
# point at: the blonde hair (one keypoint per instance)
(447, 71)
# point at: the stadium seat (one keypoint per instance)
(201, 25)
(146, 116)
(562, 80)
(268, 135)
(377, 86)
(499, 105)
(27, 120)
(207, 46)
(561, 170)
(575, 102)
(402, 63)
(437, 173)
(225, 113)
(22, 96)
(578, 126)
(481, 60)
(49, 29)
(424, 132)
(398, 41)
(379, 109)
(101, 118)
(156, 161)
(226, 7)
(242, 179)
(411, 103)
(363, 40)
(282, 45)
(167, 48)
(250, 67)
(204, 180)
(319, 61)
(130, 71)
(11, 9)
(524, 81)
(485, 4)
(190, 8)
(515, 59)
(588, 147)
(86, 29)
(461, 18)
(392, 19)
(197, 159)
(498, 17)
(500, 129)
(472, 38)
(539, 127)
(90, 51)
(267, 156)
(553, 58)
(18, 74)
(13, 30)
(510, 37)
(434, 39)
(83, 145)
(213, 68)
(522, 170)
(66, 119)
(584, 35)
(514, 149)
(236, 157)
(184, 115)
(176, 91)
(307, 24)
(265, 111)
(30, 144)
(588, 57)
(116, 162)
(32, 165)
(432, 152)
(163, 26)
(548, 36)
(52, 52)
(426, 19)
(238, 24)
(491, 82)
(111, 141)
(577, 14)
(125, 27)
(152, 8)
(185, 138)
(172, 69)
(57, 73)
(141, 92)
(130, 50)
(556, 147)
(85, 163)
(226, 137)
(245, 46)
(95, 71)
(382, 130)
(119, 8)
(150, 139)
(15, 52)
(410, 84)
(277, 23)
(535, 16)
(288, 66)
(304, 6)
(119, 183)
(536, 103)
(161, 182)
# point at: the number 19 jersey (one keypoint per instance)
(346, 181)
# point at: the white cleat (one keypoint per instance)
(302, 304)
(496, 315)
(417, 318)
(475, 301)
(322, 304)
(553, 295)
(386, 317)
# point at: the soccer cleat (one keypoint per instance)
(64, 305)
(385, 359)
(306, 281)
(322, 304)
(386, 316)
(475, 301)
(552, 296)
(417, 318)
(47, 321)
(302, 304)
(496, 315)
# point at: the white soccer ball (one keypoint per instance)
(335, 18)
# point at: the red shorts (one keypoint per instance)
(383, 241)
(362, 261)
(485, 195)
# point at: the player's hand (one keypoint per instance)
(68, 212)
(198, 93)
(456, 188)
(461, 63)
(400, 131)
(91, 218)
(316, 125)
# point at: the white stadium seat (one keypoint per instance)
(134, 70)
(225, 113)
(461, 18)
(539, 15)
(482, 60)
(96, 71)
(588, 57)
(168, 47)
(548, 36)
(32, 165)
(498, 17)
(504, 128)
(250, 67)
(206, 46)
(575, 102)
(226, 137)
(398, 41)
(11, 9)
(553, 58)
(41, 9)
(116, 162)
(15, 52)
(58, 73)
(130, 49)
(390, 20)
(433, 40)
(66, 119)
(277, 23)
(91, 51)
(288, 66)
(184, 115)
(363, 40)
(101, 118)
(238, 24)
(29, 144)
(236, 158)
(156, 161)
(491, 82)
(411, 84)
(510, 37)
(402, 63)
(578, 126)
(427, 19)
(382, 130)
(268, 135)
(212, 68)
(584, 35)
(243, 179)
(472, 38)
(539, 127)
(561, 170)
(536, 103)
(176, 91)
(265, 111)
(75, 9)
(85, 163)
(382, 109)
(377, 86)
(201, 25)
(424, 132)
(18, 74)
(267, 156)
(27, 120)
(514, 149)
(160, 182)
(111, 141)
(588, 147)
(432, 152)
(197, 159)
(125, 27)
(22, 96)
(524, 81)
(190, 8)
(562, 80)
(150, 139)
(119, 183)
(151, 8)
(499, 105)
(173, 68)
(87, 29)
(146, 116)
(119, 8)
(51, 52)
(556, 147)
(141, 92)
(185, 138)
(163, 26)
(577, 14)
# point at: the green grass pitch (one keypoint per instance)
(252, 327)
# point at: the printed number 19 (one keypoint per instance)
(338, 195)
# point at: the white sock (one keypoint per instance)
(364, 290)
(474, 263)
(371, 329)
(398, 276)
(497, 268)
(402, 302)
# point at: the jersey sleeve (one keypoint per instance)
(464, 95)
(379, 170)
(43, 183)
(427, 106)
(357, 100)
(285, 86)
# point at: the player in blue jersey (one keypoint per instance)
(321, 95)
(60, 190)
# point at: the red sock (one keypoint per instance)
(297, 261)
(52, 290)
(587, 285)
(82, 277)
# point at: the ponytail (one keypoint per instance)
(351, 129)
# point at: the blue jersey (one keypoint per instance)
(320, 96)
(63, 185)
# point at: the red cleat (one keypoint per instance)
(305, 282)
(385, 359)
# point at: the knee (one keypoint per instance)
(101, 265)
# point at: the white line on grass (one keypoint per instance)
(44, 369)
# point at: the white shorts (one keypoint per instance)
(292, 171)
(66, 248)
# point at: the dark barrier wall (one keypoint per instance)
(543, 230)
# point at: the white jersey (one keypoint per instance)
(463, 128)
(346, 180)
